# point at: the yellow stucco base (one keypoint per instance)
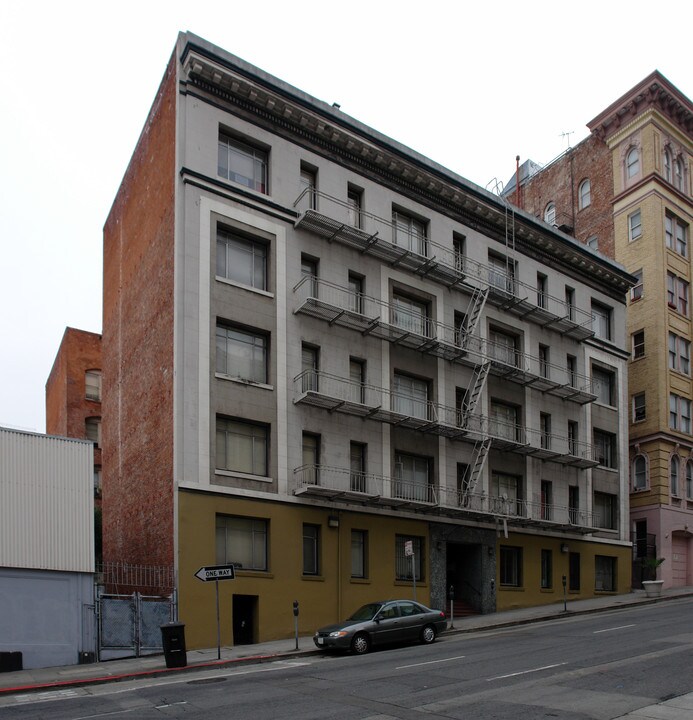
(530, 593)
(325, 598)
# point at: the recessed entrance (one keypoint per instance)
(244, 614)
(464, 576)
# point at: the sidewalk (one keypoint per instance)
(54, 678)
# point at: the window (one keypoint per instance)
(678, 173)
(574, 572)
(584, 194)
(92, 385)
(667, 165)
(502, 347)
(677, 293)
(689, 480)
(542, 287)
(639, 472)
(310, 457)
(501, 273)
(570, 303)
(242, 163)
(550, 214)
(403, 563)
(412, 477)
(97, 481)
(603, 383)
(355, 293)
(510, 571)
(605, 511)
(507, 490)
(638, 342)
(309, 269)
(461, 329)
(411, 315)
(676, 234)
(635, 225)
(410, 396)
(573, 504)
(241, 260)
(632, 163)
(459, 243)
(674, 470)
(354, 206)
(311, 549)
(573, 437)
(359, 549)
(409, 233)
(241, 447)
(605, 448)
(679, 413)
(310, 368)
(546, 569)
(604, 573)
(309, 183)
(241, 354)
(546, 499)
(464, 479)
(545, 430)
(679, 354)
(357, 467)
(601, 321)
(639, 408)
(503, 422)
(357, 380)
(571, 367)
(241, 541)
(593, 242)
(637, 289)
(92, 430)
(544, 365)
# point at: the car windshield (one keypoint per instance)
(366, 612)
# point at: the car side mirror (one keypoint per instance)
(376, 619)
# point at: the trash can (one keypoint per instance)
(173, 640)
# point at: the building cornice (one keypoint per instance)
(325, 129)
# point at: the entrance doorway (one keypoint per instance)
(464, 575)
(244, 614)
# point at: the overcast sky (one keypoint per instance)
(469, 87)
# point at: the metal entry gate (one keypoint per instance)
(129, 625)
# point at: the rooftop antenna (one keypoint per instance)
(567, 135)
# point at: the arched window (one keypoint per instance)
(632, 162)
(550, 214)
(674, 474)
(639, 472)
(689, 480)
(585, 194)
(678, 174)
(667, 165)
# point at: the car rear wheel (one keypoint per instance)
(360, 644)
(428, 634)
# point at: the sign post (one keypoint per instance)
(216, 573)
(409, 551)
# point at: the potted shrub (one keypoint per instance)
(653, 588)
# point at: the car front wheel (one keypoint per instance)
(428, 634)
(360, 644)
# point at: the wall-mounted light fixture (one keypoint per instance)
(333, 521)
(564, 547)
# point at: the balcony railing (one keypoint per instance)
(342, 485)
(336, 220)
(339, 394)
(388, 321)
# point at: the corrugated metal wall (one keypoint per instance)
(46, 502)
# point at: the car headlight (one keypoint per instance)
(338, 633)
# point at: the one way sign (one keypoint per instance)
(216, 572)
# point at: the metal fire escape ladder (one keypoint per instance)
(481, 448)
(475, 308)
(475, 389)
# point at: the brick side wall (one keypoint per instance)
(138, 347)
(560, 181)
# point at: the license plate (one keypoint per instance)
(321, 641)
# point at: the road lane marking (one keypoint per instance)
(620, 627)
(525, 672)
(430, 662)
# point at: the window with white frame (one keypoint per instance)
(241, 354)
(605, 573)
(241, 541)
(550, 213)
(679, 413)
(638, 344)
(501, 273)
(459, 248)
(510, 566)
(635, 225)
(639, 407)
(308, 181)
(679, 354)
(357, 380)
(636, 292)
(410, 396)
(411, 315)
(310, 368)
(412, 477)
(242, 163)
(503, 422)
(544, 361)
(605, 510)
(355, 293)
(676, 234)
(632, 162)
(605, 448)
(405, 563)
(354, 206)
(603, 385)
(92, 385)
(241, 446)
(639, 472)
(601, 320)
(674, 471)
(359, 552)
(409, 233)
(311, 549)
(241, 259)
(677, 293)
(503, 347)
(507, 491)
(584, 194)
